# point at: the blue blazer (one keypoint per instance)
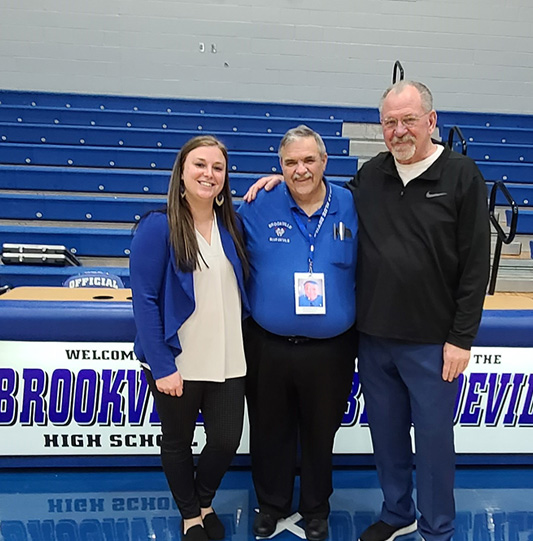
(163, 295)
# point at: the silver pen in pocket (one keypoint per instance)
(342, 231)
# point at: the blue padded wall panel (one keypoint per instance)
(97, 321)
(102, 321)
(506, 328)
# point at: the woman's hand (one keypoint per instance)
(171, 385)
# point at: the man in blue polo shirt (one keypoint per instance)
(300, 355)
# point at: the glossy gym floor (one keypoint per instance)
(125, 504)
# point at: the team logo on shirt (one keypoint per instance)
(279, 228)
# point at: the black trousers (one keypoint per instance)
(222, 407)
(297, 391)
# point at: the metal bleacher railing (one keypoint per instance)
(502, 236)
(504, 154)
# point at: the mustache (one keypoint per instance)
(302, 177)
(403, 139)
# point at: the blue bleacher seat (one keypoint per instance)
(28, 177)
(145, 138)
(499, 152)
(140, 158)
(506, 171)
(124, 181)
(76, 207)
(525, 221)
(503, 135)
(172, 121)
(204, 107)
(487, 120)
(521, 193)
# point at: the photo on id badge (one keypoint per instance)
(309, 293)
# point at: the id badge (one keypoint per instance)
(310, 292)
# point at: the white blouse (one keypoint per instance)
(211, 338)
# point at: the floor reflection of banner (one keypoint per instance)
(483, 514)
(91, 398)
(113, 517)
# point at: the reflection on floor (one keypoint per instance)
(493, 504)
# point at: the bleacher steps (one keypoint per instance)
(515, 275)
(364, 150)
(366, 139)
(362, 130)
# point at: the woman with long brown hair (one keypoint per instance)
(187, 269)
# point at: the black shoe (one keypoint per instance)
(264, 525)
(316, 529)
(213, 526)
(381, 531)
(194, 533)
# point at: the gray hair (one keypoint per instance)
(400, 86)
(301, 132)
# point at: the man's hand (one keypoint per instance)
(264, 182)
(171, 385)
(455, 361)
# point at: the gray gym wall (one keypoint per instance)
(476, 55)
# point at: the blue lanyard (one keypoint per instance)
(306, 234)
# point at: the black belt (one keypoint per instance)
(298, 339)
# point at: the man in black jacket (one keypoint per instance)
(424, 244)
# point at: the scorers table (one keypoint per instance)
(72, 392)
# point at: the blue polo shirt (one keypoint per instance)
(277, 248)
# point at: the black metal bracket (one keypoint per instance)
(456, 130)
(397, 68)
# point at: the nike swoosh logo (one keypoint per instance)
(431, 195)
